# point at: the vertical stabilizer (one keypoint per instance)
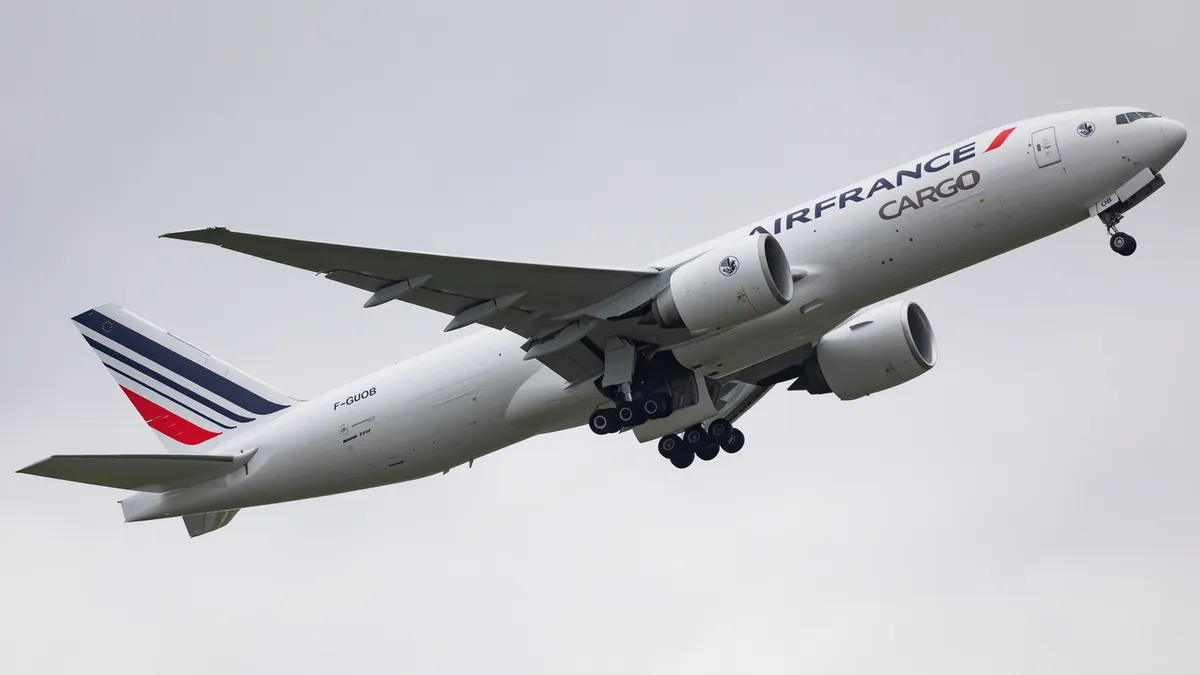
(191, 399)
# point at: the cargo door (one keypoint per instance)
(1045, 147)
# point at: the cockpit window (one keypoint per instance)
(1133, 117)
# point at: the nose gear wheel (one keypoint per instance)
(1122, 243)
(1118, 241)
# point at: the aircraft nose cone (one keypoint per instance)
(1173, 134)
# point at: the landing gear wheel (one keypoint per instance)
(683, 457)
(735, 441)
(603, 421)
(719, 430)
(655, 407)
(708, 451)
(695, 436)
(628, 415)
(669, 445)
(1123, 243)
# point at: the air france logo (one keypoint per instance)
(902, 178)
(967, 180)
(1086, 129)
(728, 265)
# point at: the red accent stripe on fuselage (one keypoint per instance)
(999, 139)
(168, 423)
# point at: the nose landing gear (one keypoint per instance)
(1120, 242)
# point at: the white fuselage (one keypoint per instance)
(867, 242)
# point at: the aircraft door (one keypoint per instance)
(1045, 147)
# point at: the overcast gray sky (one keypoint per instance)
(1029, 506)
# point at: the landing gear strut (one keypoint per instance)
(1118, 241)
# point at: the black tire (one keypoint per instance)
(1123, 244)
(683, 457)
(651, 407)
(719, 430)
(656, 407)
(668, 445)
(695, 436)
(603, 421)
(627, 414)
(708, 451)
(735, 442)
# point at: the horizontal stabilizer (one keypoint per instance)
(144, 473)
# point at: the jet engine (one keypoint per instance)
(876, 349)
(734, 282)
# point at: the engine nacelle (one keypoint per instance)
(874, 350)
(733, 283)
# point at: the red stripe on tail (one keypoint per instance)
(168, 423)
(999, 140)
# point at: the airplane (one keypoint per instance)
(673, 352)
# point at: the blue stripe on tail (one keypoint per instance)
(172, 400)
(177, 387)
(184, 367)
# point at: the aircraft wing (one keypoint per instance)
(566, 313)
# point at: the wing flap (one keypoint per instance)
(143, 473)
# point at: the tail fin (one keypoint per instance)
(191, 399)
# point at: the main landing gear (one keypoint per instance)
(643, 388)
(1118, 241)
(629, 414)
(700, 442)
